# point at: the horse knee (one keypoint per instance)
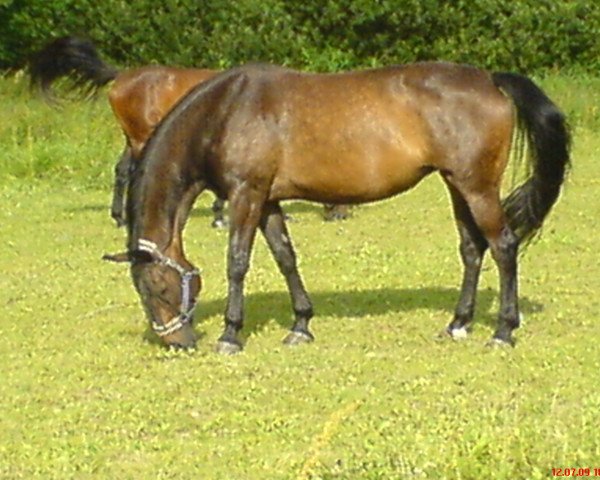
(471, 253)
(238, 266)
(506, 247)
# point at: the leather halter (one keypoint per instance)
(185, 314)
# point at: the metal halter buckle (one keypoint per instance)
(185, 316)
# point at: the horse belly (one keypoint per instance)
(366, 173)
(354, 148)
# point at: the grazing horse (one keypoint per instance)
(139, 98)
(258, 135)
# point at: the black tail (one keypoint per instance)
(549, 144)
(72, 57)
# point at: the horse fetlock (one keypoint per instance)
(303, 315)
(509, 322)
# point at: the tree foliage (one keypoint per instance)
(525, 35)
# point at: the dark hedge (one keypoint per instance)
(518, 35)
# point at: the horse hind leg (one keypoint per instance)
(504, 251)
(277, 237)
(486, 210)
(122, 169)
(472, 249)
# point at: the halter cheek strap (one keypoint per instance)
(185, 314)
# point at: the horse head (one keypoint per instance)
(168, 289)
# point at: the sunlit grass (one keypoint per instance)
(87, 392)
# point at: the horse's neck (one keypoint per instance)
(164, 213)
(154, 210)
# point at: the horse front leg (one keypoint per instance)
(244, 214)
(275, 231)
(122, 169)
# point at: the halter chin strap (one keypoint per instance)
(185, 316)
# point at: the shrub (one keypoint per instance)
(526, 35)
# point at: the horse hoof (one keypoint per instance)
(219, 223)
(458, 333)
(228, 348)
(298, 338)
(500, 343)
(336, 217)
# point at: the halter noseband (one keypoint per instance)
(185, 316)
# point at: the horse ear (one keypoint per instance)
(141, 256)
(117, 257)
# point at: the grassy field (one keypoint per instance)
(87, 392)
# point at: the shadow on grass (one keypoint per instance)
(263, 308)
(89, 208)
(293, 209)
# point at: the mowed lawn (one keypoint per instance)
(87, 392)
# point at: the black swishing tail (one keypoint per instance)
(72, 57)
(549, 142)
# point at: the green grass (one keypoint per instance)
(70, 141)
(87, 392)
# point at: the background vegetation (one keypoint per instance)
(525, 35)
(88, 393)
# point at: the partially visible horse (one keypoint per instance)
(258, 135)
(139, 98)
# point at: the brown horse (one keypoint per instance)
(258, 135)
(140, 98)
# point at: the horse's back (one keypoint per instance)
(360, 136)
